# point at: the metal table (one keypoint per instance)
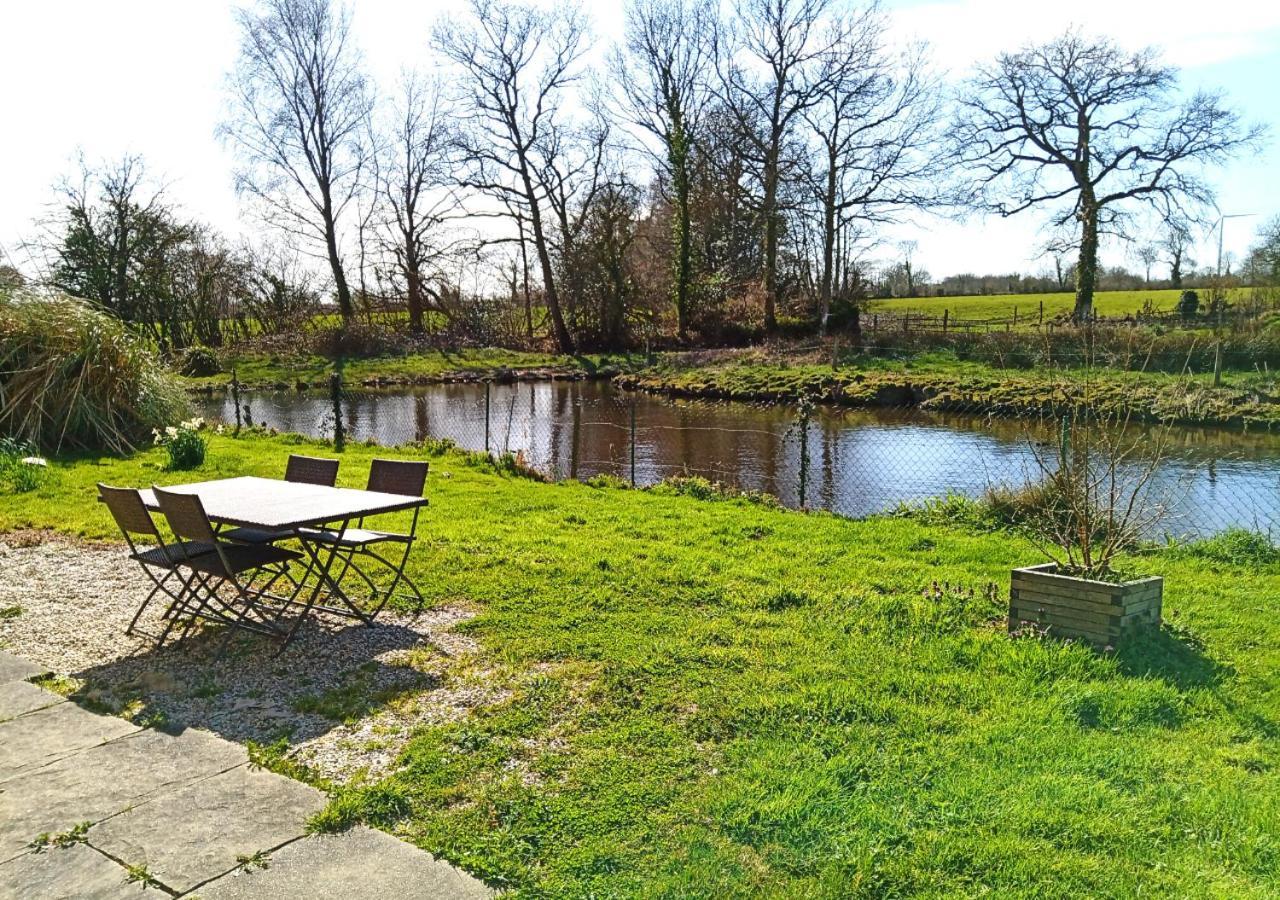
(292, 507)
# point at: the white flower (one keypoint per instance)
(171, 431)
(34, 461)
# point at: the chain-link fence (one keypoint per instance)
(852, 461)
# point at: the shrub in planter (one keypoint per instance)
(1093, 502)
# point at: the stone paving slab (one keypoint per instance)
(191, 835)
(105, 780)
(14, 668)
(18, 698)
(360, 862)
(48, 734)
(186, 806)
(74, 873)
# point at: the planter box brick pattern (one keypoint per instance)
(1096, 611)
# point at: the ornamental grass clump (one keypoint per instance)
(75, 378)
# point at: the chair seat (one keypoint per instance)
(255, 535)
(171, 555)
(242, 558)
(352, 537)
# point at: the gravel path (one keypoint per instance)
(346, 696)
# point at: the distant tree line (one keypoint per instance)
(713, 176)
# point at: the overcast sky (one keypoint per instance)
(145, 76)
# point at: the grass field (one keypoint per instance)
(1105, 303)
(716, 698)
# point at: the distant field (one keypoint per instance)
(1105, 303)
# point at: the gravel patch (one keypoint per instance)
(347, 697)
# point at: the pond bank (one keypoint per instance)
(929, 382)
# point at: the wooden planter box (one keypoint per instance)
(1097, 611)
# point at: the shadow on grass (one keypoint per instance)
(1171, 654)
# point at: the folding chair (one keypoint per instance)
(224, 565)
(388, 476)
(131, 516)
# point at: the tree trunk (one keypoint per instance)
(828, 244)
(414, 280)
(335, 261)
(678, 155)
(1087, 266)
(770, 244)
(524, 272)
(1175, 274)
(564, 340)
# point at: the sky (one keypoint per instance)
(147, 77)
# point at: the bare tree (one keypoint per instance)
(1148, 255)
(413, 186)
(661, 74)
(1084, 128)
(770, 73)
(1177, 243)
(875, 126)
(518, 62)
(301, 106)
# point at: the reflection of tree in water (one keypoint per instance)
(861, 460)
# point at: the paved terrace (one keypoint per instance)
(183, 813)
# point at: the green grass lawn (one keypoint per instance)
(717, 698)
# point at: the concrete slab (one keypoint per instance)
(356, 863)
(194, 834)
(18, 698)
(102, 781)
(49, 734)
(75, 873)
(15, 668)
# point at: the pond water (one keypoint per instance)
(859, 461)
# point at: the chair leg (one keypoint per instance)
(400, 575)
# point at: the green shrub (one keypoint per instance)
(73, 377)
(22, 469)
(1235, 546)
(196, 362)
(185, 443)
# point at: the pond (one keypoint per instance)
(860, 461)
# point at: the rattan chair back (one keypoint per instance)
(185, 515)
(311, 470)
(398, 476)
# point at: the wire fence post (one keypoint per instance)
(1217, 364)
(235, 397)
(335, 398)
(806, 409)
(487, 388)
(633, 441)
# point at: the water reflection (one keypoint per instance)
(860, 461)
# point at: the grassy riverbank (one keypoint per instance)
(711, 698)
(941, 381)
(285, 371)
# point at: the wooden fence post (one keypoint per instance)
(946, 314)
